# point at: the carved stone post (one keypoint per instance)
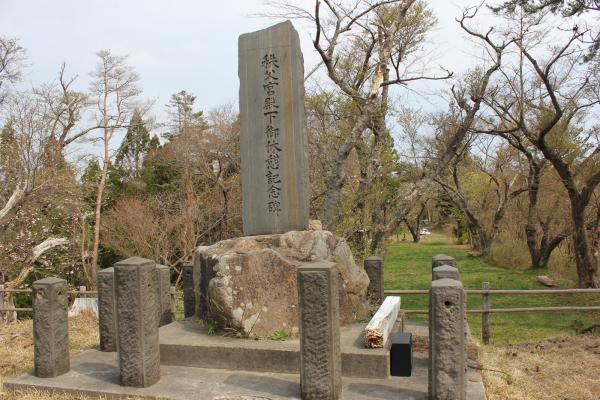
(447, 340)
(137, 322)
(50, 327)
(107, 318)
(163, 293)
(189, 295)
(445, 271)
(442, 259)
(374, 269)
(320, 356)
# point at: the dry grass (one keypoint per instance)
(16, 351)
(557, 369)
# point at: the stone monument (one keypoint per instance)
(249, 283)
(273, 136)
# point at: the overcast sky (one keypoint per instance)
(173, 45)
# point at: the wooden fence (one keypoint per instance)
(82, 292)
(485, 311)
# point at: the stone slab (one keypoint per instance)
(95, 373)
(273, 138)
(186, 343)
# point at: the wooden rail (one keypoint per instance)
(486, 310)
(77, 293)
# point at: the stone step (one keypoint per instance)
(187, 343)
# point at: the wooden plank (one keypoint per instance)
(485, 317)
(379, 328)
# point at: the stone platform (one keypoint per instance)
(95, 373)
(186, 343)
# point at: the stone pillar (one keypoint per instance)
(137, 322)
(107, 318)
(374, 269)
(320, 356)
(163, 293)
(445, 271)
(189, 294)
(447, 340)
(442, 259)
(50, 327)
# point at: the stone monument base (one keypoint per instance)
(247, 285)
(187, 344)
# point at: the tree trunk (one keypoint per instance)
(90, 273)
(337, 178)
(587, 270)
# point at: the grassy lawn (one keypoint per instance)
(408, 266)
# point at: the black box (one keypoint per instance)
(401, 360)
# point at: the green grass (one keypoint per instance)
(408, 266)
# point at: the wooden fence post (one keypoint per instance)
(485, 315)
(1, 303)
(173, 302)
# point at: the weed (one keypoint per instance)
(281, 335)
(211, 327)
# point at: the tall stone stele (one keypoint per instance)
(273, 136)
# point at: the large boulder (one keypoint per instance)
(248, 284)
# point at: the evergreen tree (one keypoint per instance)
(183, 116)
(134, 148)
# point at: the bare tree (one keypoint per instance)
(12, 56)
(553, 107)
(115, 90)
(366, 48)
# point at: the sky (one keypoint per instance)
(175, 45)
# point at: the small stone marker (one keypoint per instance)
(445, 271)
(163, 292)
(273, 138)
(374, 269)
(447, 340)
(107, 318)
(137, 322)
(189, 294)
(320, 355)
(442, 259)
(50, 327)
